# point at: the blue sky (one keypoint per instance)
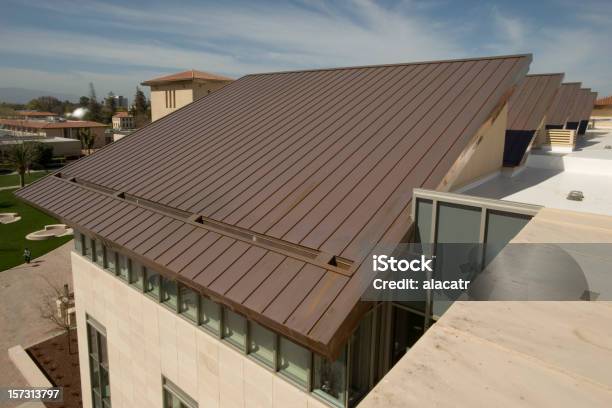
(63, 45)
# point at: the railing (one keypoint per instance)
(561, 138)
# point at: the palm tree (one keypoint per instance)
(87, 139)
(20, 157)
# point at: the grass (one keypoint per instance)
(9, 180)
(12, 236)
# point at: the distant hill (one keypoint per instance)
(24, 95)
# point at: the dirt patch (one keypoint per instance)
(61, 367)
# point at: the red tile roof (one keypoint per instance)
(604, 101)
(186, 76)
(40, 124)
(122, 115)
(247, 194)
(35, 113)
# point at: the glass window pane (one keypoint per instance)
(169, 291)
(123, 266)
(210, 315)
(294, 362)
(189, 303)
(501, 228)
(104, 384)
(151, 283)
(361, 349)
(78, 242)
(111, 260)
(408, 327)
(137, 275)
(103, 351)
(92, 341)
(88, 248)
(262, 344)
(330, 378)
(234, 328)
(99, 252)
(423, 225)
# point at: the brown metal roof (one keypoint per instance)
(285, 171)
(588, 106)
(531, 100)
(580, 101)
(186, 76)
(561, 106)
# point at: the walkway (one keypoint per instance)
(22, 289)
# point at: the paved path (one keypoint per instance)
(22, 289)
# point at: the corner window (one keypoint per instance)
(174, 397)
(329, 378)
(188, 303)
(169, 292)
(78, 242)
(294, 362)
(210, 315)
(262, 344)
(234, 329)
(151, 284)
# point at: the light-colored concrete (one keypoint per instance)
(22, 290)
(147, 341)
(27, 367)
(507, 354)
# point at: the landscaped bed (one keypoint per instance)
(13, 236)
(61, 367)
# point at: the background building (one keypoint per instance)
(68, 129)
(171, 92)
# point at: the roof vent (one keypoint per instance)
(575, 195)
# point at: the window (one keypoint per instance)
(188, 306)
(262, 344)
(329, 378)
(123, 266)
(111, 260)
(98, 252)
(170, 98)
(361, 351)
(87, 245)
(174, 397)
(408, 327)
(501, 228)
(210, 315)
(98, 364)
(169, 292)
(294, 362)
(137, 275)
(78, 242)
(234, 329)
(151, 283)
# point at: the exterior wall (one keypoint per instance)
(184, 96)
(488, 156)
(203, 88)
(146, 340)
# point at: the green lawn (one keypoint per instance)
(8, 180)
(12, 236)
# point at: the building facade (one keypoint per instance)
(171, 92)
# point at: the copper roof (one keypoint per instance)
(40, 124)
(604, 101)
(186, 76)
(531, 100)
(560, 109)
(583, 98)
(269, 194)
(588, 106)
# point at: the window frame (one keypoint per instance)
(176, 391)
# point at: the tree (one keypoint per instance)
(141, 109)
(83, 101)
(43, 155)
(94, 107)
(87, 139)
(46, 104)
(20, 158)
(109, 108)
(49, 309)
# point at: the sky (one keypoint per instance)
(62, 45)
